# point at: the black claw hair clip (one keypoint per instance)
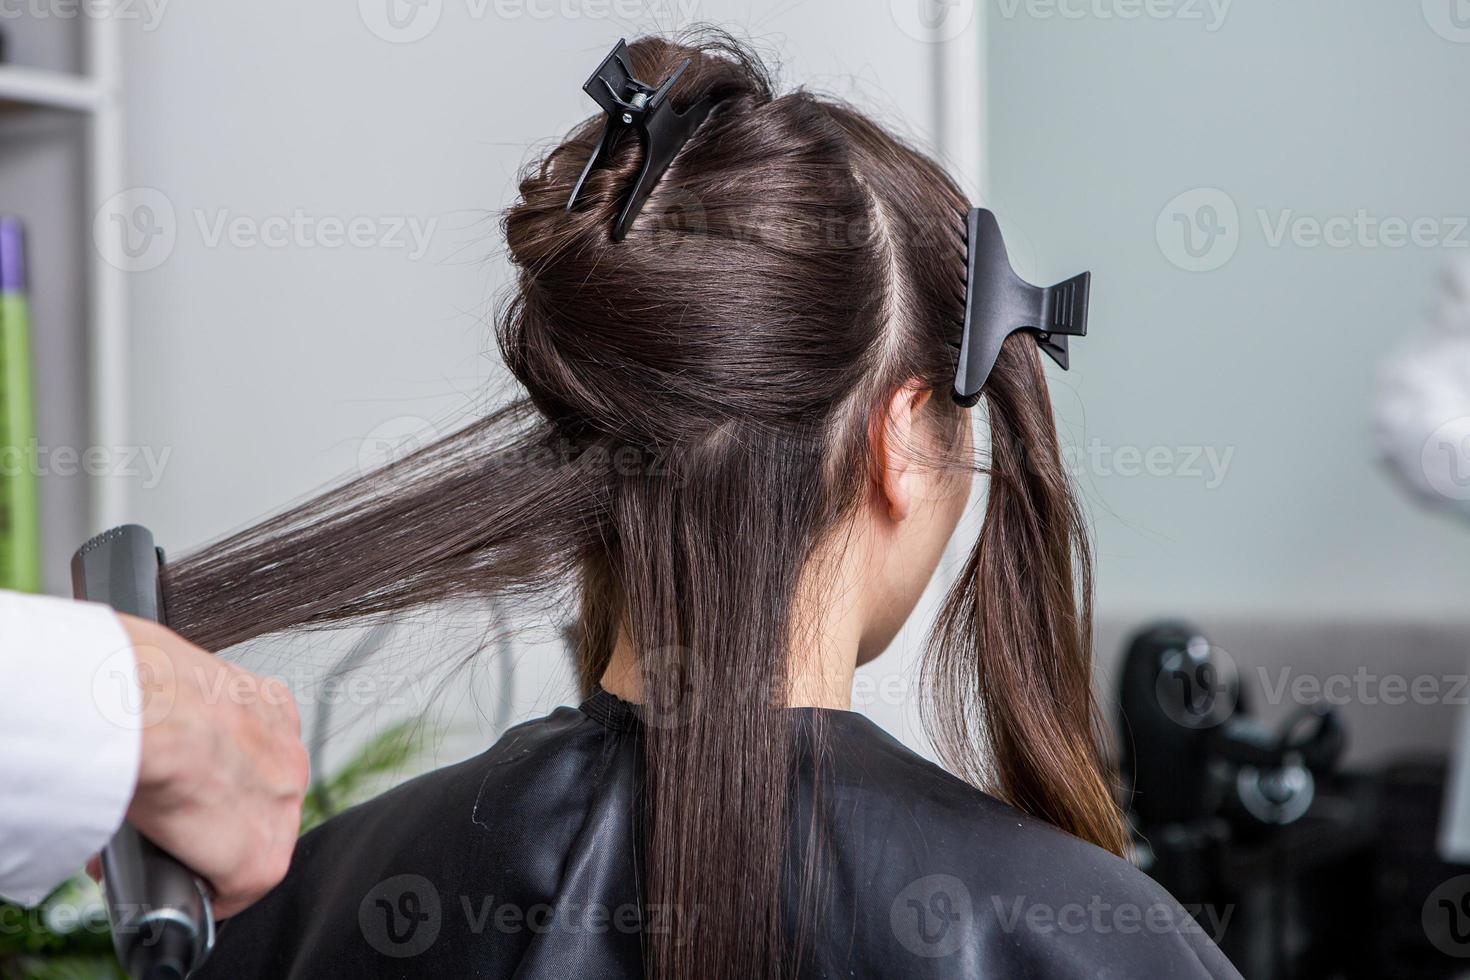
(998, 303)
(647, 111)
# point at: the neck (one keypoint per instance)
(826, 638)
(820, 677)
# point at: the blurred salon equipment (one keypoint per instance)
(1298, 868)
(1422, 413)
(1422, 428)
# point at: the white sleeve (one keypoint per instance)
(70, 738)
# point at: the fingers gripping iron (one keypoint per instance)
(162, 923)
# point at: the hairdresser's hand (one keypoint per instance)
(223, 770)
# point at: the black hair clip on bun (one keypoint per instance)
(647, 111)
(998, 303)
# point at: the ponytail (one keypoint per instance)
(1009, 664)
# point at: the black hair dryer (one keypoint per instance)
(1191, 750)
(162, 923)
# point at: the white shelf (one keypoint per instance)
(41, 89)
(69, 174)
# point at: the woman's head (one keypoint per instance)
(734, 419)
(789, 297)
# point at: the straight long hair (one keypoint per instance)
(697, 413)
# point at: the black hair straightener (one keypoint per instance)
(162, 923)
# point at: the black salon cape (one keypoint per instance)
(520, 863)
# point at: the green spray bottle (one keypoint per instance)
(20, 523)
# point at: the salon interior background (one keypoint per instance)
(313, 282)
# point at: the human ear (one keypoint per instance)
(894, 448)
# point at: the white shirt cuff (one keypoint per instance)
(70, 738)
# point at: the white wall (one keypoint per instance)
(1313, 109)
(265, 371)
(1301, 557)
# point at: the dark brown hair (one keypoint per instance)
(700, 401)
